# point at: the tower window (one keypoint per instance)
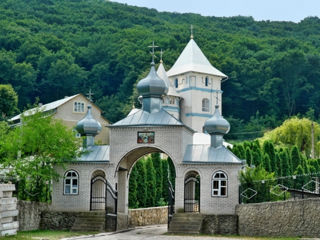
(71, 183)
(219, 184)
(206, 82)
(205, 105)
(176, 83)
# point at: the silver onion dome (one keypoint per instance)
(152, 85)
(88, 125)
(217, 124)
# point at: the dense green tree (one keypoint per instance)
(34, 150)
(141, 183)
(133, 188)
(159, 175)
(295, 157)
(9, 101)
(268, 148)
(248, 156)
(285, 165)
(266, 163)
(151, 183)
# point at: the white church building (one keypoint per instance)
(180, 117)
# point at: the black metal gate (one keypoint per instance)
(98, 193)
(111, 208)
(192, 194)
(104, 198)
(170, 202)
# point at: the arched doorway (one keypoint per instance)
(123, 172)
(192, 192)
(98, 191)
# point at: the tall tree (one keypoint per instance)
(141, 183)
(133, 187)
(151, 183)
(159, 175)
(9, 101)
(34, 150)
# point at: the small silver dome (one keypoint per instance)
(88, 125)
(217, 124)
(152, 85)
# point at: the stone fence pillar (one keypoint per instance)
(8, 210)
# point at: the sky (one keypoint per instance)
(275, 10)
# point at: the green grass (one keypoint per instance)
(44, 235)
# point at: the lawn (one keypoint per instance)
(44, 235)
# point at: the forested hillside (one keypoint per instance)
(54, 48)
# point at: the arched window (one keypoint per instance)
(206, 82)
(71, 182)
(176, 83)
(205, 105)
(219, 184)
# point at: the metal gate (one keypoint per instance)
(192, 194)
(111, 208)
(104, 198)
(98, 193)
(170, 202)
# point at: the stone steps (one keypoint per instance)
(186, 223)
(89, 221)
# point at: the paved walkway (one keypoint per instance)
(153, 232)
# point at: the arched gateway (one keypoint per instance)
(206, 171)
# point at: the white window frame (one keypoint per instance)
(71, 176)
(78, 107)
(222, 183)
(205, 105)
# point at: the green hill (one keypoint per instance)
(54, 48)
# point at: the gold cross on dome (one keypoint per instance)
(152, 53)
(90, 94)
(161, 54)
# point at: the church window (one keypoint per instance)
(219, 184)
(78, 107)
(171, 100)
(206, 82)
(71, 183)
(176, 83)
(205, 105)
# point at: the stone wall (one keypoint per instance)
(8, 210)
(148, 216)
(220, 224)
(30, 214)
(55, 220)
(285, 218)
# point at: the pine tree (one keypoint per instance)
(278, 165)
(141, 183)
(165, 169)
(295, 158)
(151, 183)
(299, 181)
(285, 165)
(158, 169)
(268, 148)
(248, 156)
(266, 163)
(133, 201)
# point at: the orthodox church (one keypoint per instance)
(180, 117)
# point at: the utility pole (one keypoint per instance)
(312, 140)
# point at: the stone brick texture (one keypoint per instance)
(148, 216)
(30, 214)
(220, 224)
(285, 218)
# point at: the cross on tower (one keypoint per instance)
(90, 94)
(191, 30)
(152, 53)
(161, 53)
